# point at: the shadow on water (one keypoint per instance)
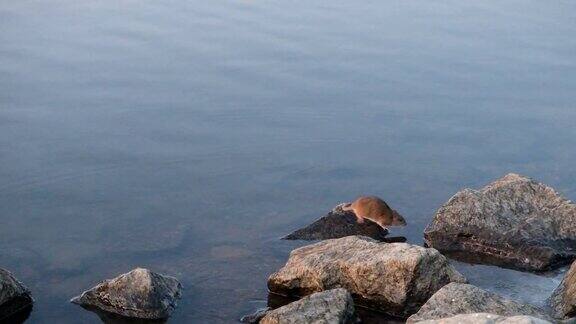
(20, 317)
(111, 318)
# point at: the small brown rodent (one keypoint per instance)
(376, 210)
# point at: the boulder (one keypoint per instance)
(14, 296)
(139, 293)
(331, 306)
(484, 318)
(338, 223)
(256, 316)
(513, 222)
(456, 298)
(395, 278)
(563, 299)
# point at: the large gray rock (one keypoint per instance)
(563, 299)
(456, 298)
(484, 318)
(139, 293)
(14, 296)
(329, 307)
(338, 223)
(513, 222)
(395, 278)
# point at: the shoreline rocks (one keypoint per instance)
(327, 307)
(139, 293)
(336, 224)
(15, 298)
(563, 299)
(457, 298)
(394, 278)
(513, 222)
(485, 318)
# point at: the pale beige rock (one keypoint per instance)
(563, 299)
(139, 293)
(396, 278)
(484, 318)
(514, 222)
(328, 307)
(456, 298)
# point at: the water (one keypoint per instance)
(187, 137)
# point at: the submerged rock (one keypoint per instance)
(14, 296)
(514, 222)
(457, 298)
(395, 278)
(338, 223)
(484, 318)
(139, 293)
(563, 299)
(330, 307)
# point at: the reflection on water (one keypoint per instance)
(188, 137)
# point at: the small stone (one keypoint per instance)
(139, 293)
(328, 307)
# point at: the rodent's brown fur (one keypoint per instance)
(376, 210)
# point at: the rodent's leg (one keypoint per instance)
(359, 218)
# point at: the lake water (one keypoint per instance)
(188, 136)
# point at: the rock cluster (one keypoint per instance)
(139, 293)
(514, 222)
(395, 278)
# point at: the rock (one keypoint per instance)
(395, 278)
(14, 296)
(256, 316)
(484, 318)
(139, 293)
(563, 299)
(514, 222)
(331, 306)
(457, 298)
(338, 223)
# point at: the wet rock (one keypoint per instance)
(457, 298)
(256, 316)
(563, 299)
(331, 306)
(514, 222)
(338, 223)
(139, 293)
(395, 278)
(484, 318)
(15, 298)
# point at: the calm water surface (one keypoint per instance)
(188, 136)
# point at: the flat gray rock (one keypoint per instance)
(395, 278)
(514, 222)
(563, 299)
(456, 298)
(14, 296)
(328, 307)
(338, 223)
(484, 318)
(139, 293)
